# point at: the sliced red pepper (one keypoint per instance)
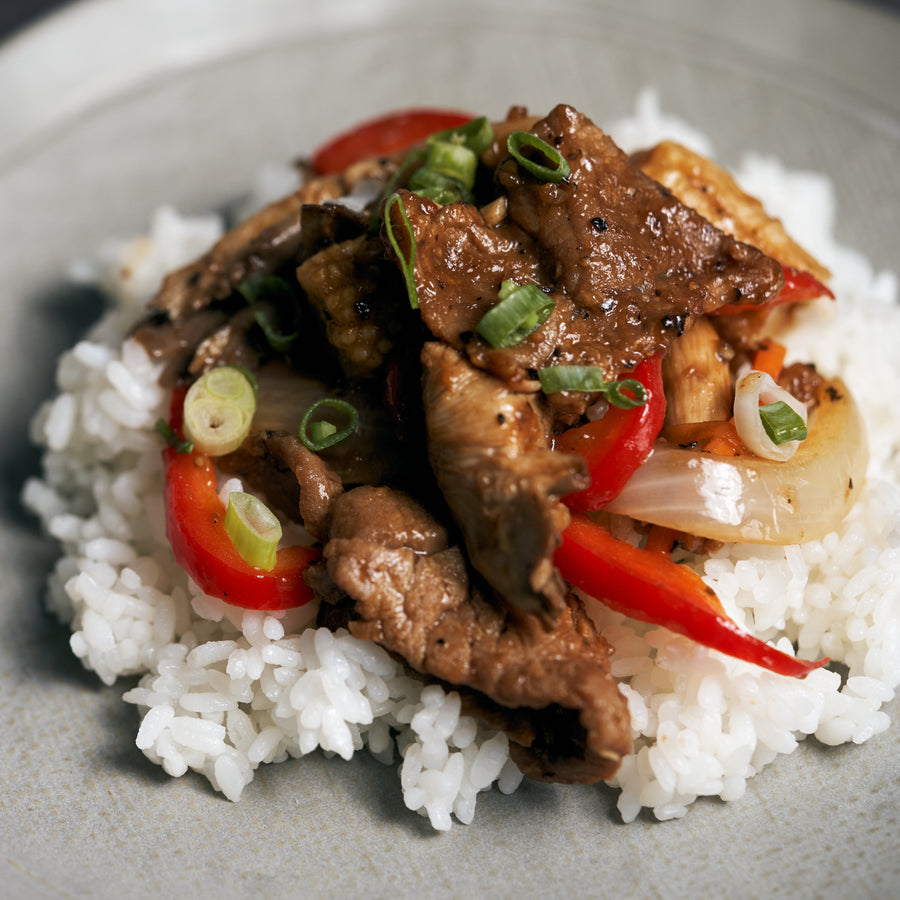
(798, 286)
(195, 526)
(614, 446)
(382, 136)
(649, 587)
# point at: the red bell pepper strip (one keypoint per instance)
(798, 286)
(195, 526)
(614, 446)
(382, 136)
(649, 587)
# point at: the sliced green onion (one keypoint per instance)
(172, 439)
(438, 187)
(277, 339)
(415, 158)
(253, 528)
(781, 423)
(322, 434)
(218, 410)
(321, 430)
(571, 378)
(453, 160)
(591, 380)
(523, 308)
(477, 135)
(556, 169)
(277, 291)
(407, 259)
(264, 287)
(614, 393)
(254, 382)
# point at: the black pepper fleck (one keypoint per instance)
(674, 323)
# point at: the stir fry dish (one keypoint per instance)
(452, 361)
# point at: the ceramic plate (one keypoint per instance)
(112, 107)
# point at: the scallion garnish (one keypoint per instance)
(172, 439)
(321, 434)
(321, 430)
(590, 379)
(277, 292)
(277, 339)
(477, 135)
(555, 169)
(453, 160)
(523, 308)
(407, 258)
(218, 410)
(253, 528)
(415, 158)
(781, 423)
(263, 286)
(439, 187)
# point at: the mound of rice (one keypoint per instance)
(224, 690)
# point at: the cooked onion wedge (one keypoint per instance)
(754, 500)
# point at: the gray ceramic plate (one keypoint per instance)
(113, 106)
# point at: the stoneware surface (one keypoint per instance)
(114, 105)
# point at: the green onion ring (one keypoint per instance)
(781, 423)
(276, 338)
(253, 528)
(477, 135)
(218, 410)
(438, 186)
(407, 261)
(317, 436)
(522, 309)
(454, 160)
(266, 287)
(590, 379)
(558, 170)
(615, 397)
(414, 159)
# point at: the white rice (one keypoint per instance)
(224, 690)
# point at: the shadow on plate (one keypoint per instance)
(57, 319)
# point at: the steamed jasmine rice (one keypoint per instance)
(223, 690)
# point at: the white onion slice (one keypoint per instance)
(746, 498)
(750, 391)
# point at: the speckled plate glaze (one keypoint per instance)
(111, 107)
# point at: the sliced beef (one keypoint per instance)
(292, 478)
(329, 223)
(259, 245)
(461, 262)
(388, 518)
(637, 261)
(713, 192)
(551, 688)
(229, 345)
(489, 449)
(628, 265)
(177, 344)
